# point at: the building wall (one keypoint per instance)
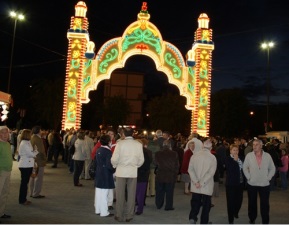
(130, 86)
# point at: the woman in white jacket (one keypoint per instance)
(26, 163)
(79, 156)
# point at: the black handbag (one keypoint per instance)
(92, 169)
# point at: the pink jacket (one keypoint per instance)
(284, 160)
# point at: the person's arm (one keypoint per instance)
(140, 157)
(271, 168)
(246, 168)
(93, 152)
(192, 173)
(115, 156)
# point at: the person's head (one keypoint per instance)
(128, 132)
(4, 133)
(195, 135)
(283, 146)
(159, 133)
(120, 130)
(234, 149)
(150, 136)
(111, 134)
(191, 145)
(36, 130)
(237, 141)
(257, 145)
(208, 145)
(276, 141)
(198, 144)
(81, 135)
(26, 135)
(105, 140)
(167, 145)
(91, 134)
(166, 135)
(243, 140)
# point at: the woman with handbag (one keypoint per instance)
(26, 163)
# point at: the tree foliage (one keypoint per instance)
(229, 113)
(168, 112)
(116, 111)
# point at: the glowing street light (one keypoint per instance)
(267, 47)
(16, 16)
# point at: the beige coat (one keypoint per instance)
(127, 157)
(202, 167)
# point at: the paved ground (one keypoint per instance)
(66, 204)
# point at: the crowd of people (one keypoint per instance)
(130, 167)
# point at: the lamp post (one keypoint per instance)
(267, 46)
(16, 17)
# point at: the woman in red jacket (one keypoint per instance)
(185, 165)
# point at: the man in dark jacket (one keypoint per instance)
(167, 164)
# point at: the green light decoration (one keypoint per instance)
(172, 62)
(139, 36)
(75, 63)
(109, 57)
(71, 92)
(87, 77)
(70, 116)
(177, 53)
(192, 72)
(203, 101)
(201, 123)
(86, 82)
(191, 88)
(204, 73)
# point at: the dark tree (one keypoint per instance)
(168, 112)
(229, 113)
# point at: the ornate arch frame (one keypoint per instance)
(85, 69)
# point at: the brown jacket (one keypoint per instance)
(167, 163)
(41, 156)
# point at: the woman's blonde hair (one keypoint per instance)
(25, 135)
(234, 146)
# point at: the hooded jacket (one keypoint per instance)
(202, 167)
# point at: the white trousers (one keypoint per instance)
(101, 201)
(110, 197)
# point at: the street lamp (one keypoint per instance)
(267, 46)
(16, 17)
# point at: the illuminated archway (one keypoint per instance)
(85, 69)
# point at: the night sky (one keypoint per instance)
(239, 28)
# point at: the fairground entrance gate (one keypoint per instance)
(85, 69)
